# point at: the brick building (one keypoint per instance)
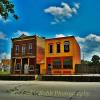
(62, 54)
(6, 62)
(27, 54)
(32, 54)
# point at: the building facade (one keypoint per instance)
(28, 54)
(36, 55)
(6, 62)
(61, 55)
(5, 65)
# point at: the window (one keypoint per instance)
(17, 49)
(23, 49)
(66, 46)
(58, 47)
(30, 48)
(56, 64)
(49, 66)
(51, 48)
(67, 64)
(31, 67)
(18, 66)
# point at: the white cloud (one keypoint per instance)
(90, 45)
(19, 33)
(53, 23)
(60, 35)
(91, 37)
(5, 55)
(62, 13)
(4, 21)
(74, 10)
(79, 39)
(77, 5)
(2, 35)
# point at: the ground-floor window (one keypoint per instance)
(67, 63)
(56, 64)
(49, 66)
(31, 67)
(18, 66)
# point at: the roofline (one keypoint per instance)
(60, 38)
(33, 36)
(64, 38)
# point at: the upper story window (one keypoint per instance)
(51, 48)
(23, 49)
(58, 47)
(30, 47)
(17, 49)
(66, 46)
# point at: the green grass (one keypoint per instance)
(4, 73)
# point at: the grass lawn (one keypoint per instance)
(4, 73)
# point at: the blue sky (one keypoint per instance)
(54, 18)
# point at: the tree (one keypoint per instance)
(85, 62)
(7, 7)
(95, 59)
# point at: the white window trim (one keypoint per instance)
(17, 49)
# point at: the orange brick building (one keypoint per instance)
(56, 56)
(61, 55)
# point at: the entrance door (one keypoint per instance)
(38, 69)
(26, 69)
(24, 61)
(49, 68)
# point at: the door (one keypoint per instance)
(24, 61)
(49, 68)
(38, 69)
(26, 69)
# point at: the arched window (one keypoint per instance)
(66, 46)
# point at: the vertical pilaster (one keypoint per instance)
(14, 65)
(28, 61)
(21, 66)
(62, 65)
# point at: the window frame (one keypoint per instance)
(68, 46)
(24, 49)
(18, 67)
(67, 65)
(58, 50)
(17, 49)
(50, 49)
(31, 67)
(30, 47)
(57, 65)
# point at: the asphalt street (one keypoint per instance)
(46, 90)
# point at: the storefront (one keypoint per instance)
(59, 65)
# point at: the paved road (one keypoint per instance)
(41, 90)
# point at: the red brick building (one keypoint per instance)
(28, 54)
